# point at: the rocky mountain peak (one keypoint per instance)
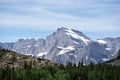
(74, 34)
(66, 45)
(62, 28)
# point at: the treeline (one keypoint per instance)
(60, 72)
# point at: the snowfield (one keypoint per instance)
(65, 49)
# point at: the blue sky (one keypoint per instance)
(39, 18)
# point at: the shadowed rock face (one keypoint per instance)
(116, 60)
(13, 59)
(66, 45)
(118, 54)
(112, 45)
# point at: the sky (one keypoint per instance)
(39, 18)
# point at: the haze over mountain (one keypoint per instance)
(66, 45)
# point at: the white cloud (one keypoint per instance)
(97, 16)
(37, 22)
(34, 13)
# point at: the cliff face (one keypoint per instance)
(116, 60)
(13, 59)
(67, 45)
(118, 54)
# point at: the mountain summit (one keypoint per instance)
(67, 45)
(76, 35)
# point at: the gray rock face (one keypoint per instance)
(115, 60)
(67, 45)
(28, 46)
(111, 45)
(118, 54)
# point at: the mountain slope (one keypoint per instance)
(116, 60)
(111, 45)
(67, 45)
(13, 59)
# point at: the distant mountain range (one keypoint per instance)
(67, 45)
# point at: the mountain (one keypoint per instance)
(28, 46)
(13, 59)
(67, 45)
(118, 54)
(116, 60)
(111, 44)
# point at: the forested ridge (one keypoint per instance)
(60, 72)
(52, 71)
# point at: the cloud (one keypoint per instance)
(39, 18)
(85, 15)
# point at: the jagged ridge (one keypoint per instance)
(66, 45)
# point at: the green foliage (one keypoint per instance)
(60, 72)
(2, 52)
(93, 75)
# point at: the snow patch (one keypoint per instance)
(102, 42)
(65, 49)
(70, 54)
(108, 49)
(76, 36)
(29, 54)
(73, 55)
(75, 42)
(35, 45)
(69, 47)
(113, 54)
(28, 46)
(86, 57)
(41, 54)
(105, 59)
